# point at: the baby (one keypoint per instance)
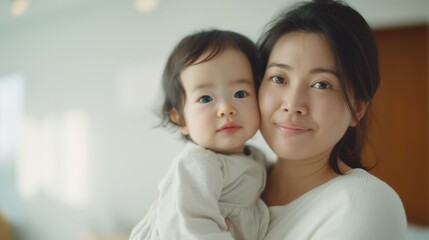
(212, 190)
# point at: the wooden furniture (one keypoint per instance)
(4, 228)
(399, 133)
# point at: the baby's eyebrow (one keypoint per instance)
(243, 80)
(234, 82)
(202, 86)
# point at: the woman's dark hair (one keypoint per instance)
(355, 51)
(187, 52)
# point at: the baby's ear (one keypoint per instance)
(175, 117)
(360, 108)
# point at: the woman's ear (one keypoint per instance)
(360, 108)
(175, 117)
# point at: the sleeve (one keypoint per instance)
(144, 229)
(188, 207)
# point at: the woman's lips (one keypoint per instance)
(291, 128)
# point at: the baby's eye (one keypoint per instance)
(205, 99)
(277, 79)
(241, 94)
(322, 85)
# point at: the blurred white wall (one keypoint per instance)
(79, 153)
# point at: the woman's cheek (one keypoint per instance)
(265, 100)
(331, 112)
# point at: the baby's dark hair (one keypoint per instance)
(186, 53)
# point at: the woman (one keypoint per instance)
(321, 73)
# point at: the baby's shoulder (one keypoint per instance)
(194, 150)
(195, 154)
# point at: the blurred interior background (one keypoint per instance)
(80, 153)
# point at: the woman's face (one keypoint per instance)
(303, 109)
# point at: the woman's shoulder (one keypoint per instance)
(356, 205)
(364, 189)
(368, 197)
(358, 181)
(363, 201)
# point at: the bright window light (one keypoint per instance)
(11, 113)
(53, 159)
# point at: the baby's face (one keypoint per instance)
(221, 109)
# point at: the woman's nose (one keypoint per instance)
(226, 109)
(295, 101)
(298, 111)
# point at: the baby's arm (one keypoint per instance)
(188, 205)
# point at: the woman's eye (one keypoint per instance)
(277, 79)
(205, 99)
(322, 85)
(241, 94)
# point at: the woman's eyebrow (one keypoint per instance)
(279, 65)
(313, 71)
(324, 70)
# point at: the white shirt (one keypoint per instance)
(200, 189)
(354, 206)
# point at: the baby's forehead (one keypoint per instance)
(212, 51)
(225, 71)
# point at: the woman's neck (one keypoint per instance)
(288, 179)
